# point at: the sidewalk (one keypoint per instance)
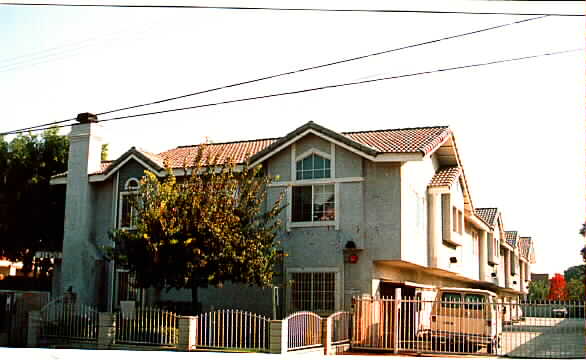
(76, 354)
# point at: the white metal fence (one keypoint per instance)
(146, 326)
(233, 330)
(60, 319)
(525, 330)
(304, 330)
(340, 324)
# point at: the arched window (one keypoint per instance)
(313, 202)
(313, 167)
(127, 212)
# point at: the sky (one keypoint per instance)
(519, 126)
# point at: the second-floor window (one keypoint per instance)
(313, 202)
(127, 218)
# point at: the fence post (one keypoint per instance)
(397, 319)
(278, 334)
(34, 327)
(327, 333)
(187, 333)
(106, 330)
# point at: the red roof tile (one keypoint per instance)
(235, 151)
(487, 214)
(423, 139)
(445, 176)
(511, 237)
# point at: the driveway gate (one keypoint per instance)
(552, 330)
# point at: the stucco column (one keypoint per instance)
(79, 268)
(482, 255)
(434, 229)
(507, 268)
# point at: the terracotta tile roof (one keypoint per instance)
(445, 176)
(236, 151)
(422, 139)
(103, 166)
(487, 214)
(511, 237)
(526, 247)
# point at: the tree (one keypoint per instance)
(576, 289)
(207, 227)
(31, 210)
(538, 290)
(557, 288)
(575, 272)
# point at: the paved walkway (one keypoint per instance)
(75, 354)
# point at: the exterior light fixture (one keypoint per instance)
(353, 259)
(453, 260)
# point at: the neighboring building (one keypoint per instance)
(540, 277)
(397, 200)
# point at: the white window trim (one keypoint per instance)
(127, 191)
(307, 182)
(337, 283)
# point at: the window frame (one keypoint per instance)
(128, 192)
(337, 289)
(313, 182)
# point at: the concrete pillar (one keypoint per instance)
(507, 268)
(521, 276)
(482, 255)
(326, 336)
(34, 328)
(106, 330)
(434, 229)
(187, 333)
(79, 252)
(278, 333)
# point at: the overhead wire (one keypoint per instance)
(292, 72)
(332, 86)
(289, 9)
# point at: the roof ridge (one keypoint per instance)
(227, 142)
(399, 129)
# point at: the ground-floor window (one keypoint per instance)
(313, 291)
(126, 287)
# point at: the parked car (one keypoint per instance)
(466, 316)
(559, 312)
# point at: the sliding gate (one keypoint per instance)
(521, 330)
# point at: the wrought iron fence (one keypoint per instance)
(62, 319)
(146, 326)
(303, 330)
(233, 330)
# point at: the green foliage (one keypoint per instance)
(209, 226)
(575, 272)
(538, 290)
(104, 152)
(576, 289)
(31, 210)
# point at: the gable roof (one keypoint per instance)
(445, 176)
(511, 237)
(525, 245)
(421, 140)
(489, 215)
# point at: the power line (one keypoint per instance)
(494, 62)
(338, 62)
(258, 8)
(292, 72)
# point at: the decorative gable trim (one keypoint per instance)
(119, 164)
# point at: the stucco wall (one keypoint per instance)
(415, 177)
